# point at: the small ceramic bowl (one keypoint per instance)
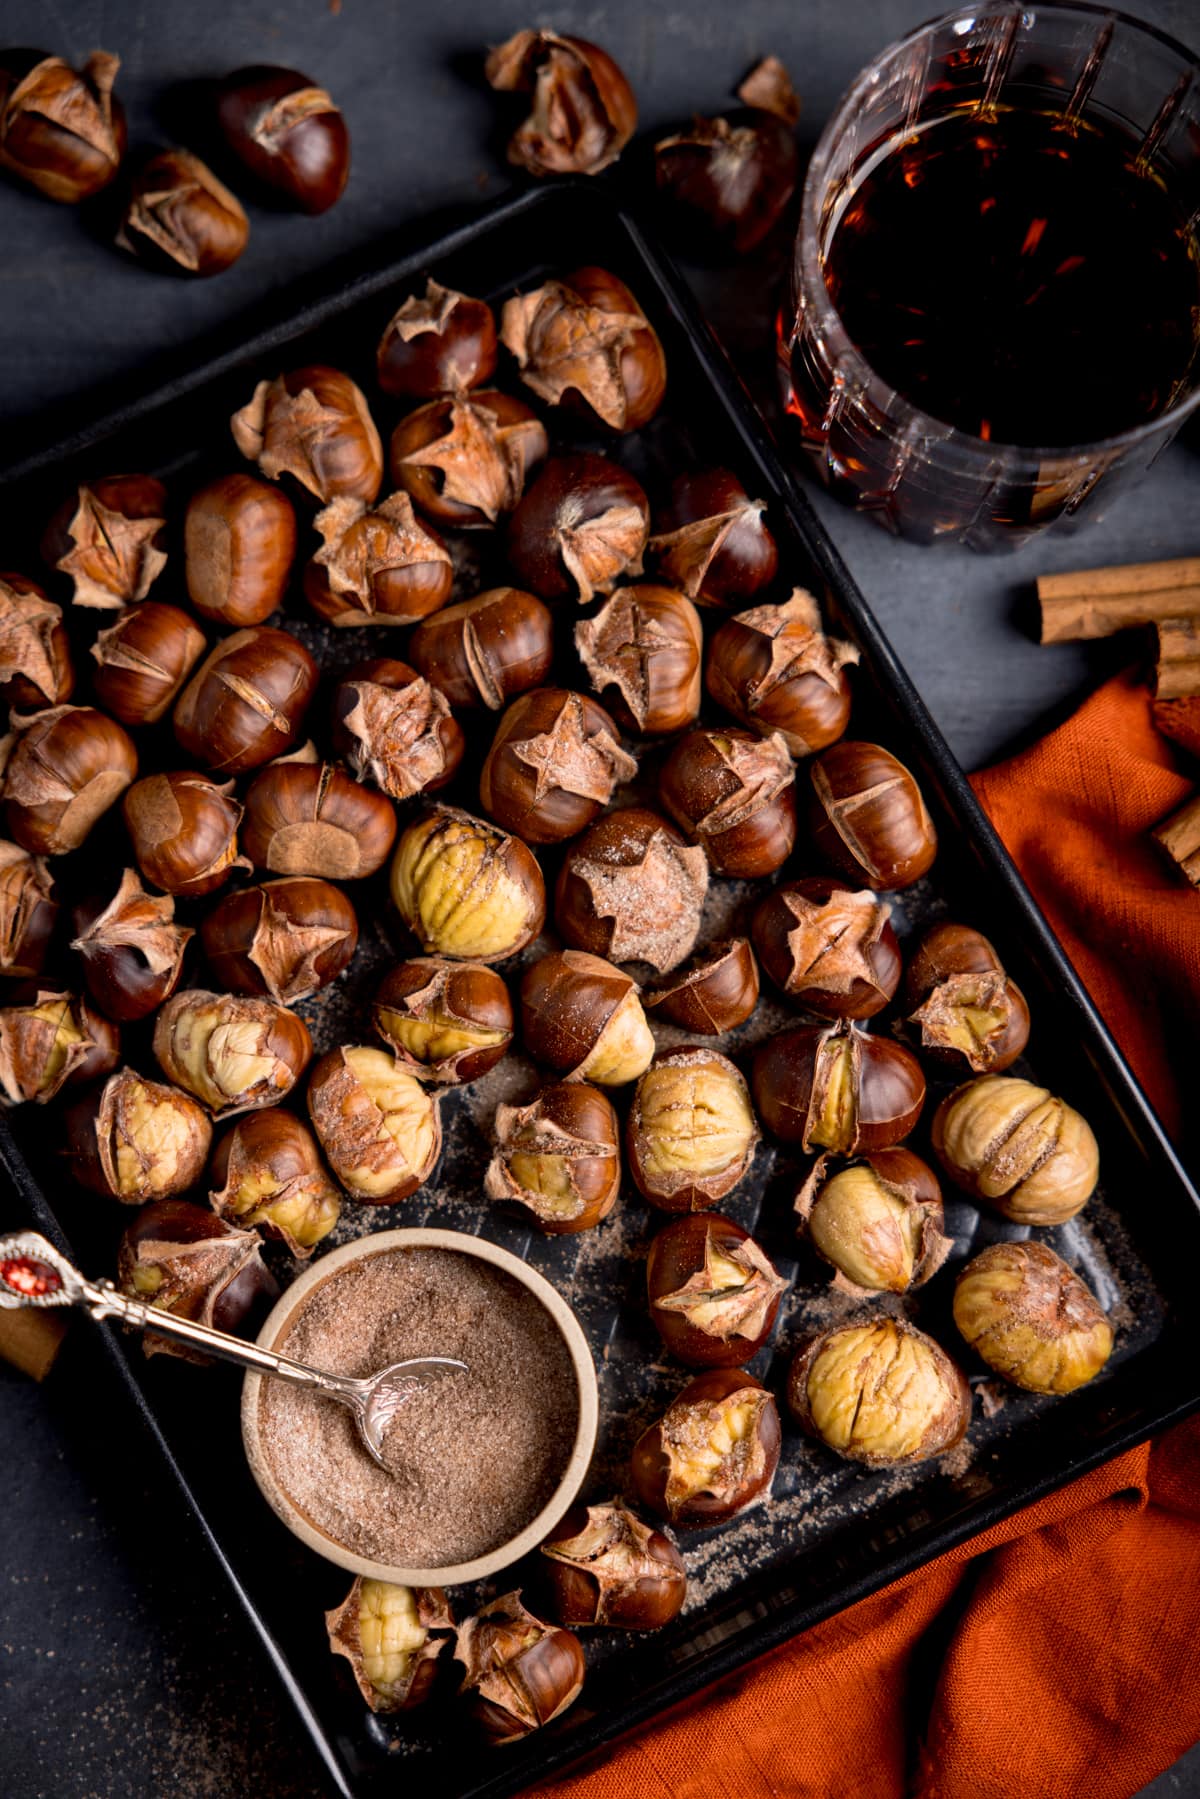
(276, 1328)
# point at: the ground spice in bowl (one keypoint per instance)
(474, 1457)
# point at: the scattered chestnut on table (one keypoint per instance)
(65, 767)
(773, 669)
(287, 132)
(604, 1566)
(837, 1087)
(379, 564)
(183, 828)
(137, 1140)
(486, 650)
(51, 1040)
(28, 911)
(971, 1015)
(691, 1133)
(109, 539)
(876, 1219)
(879, 1391)
(282, 941)
(36, 669)
(712, 1453)
(157, 1262)
(582, 1017)
(464, 457)
(178, 216)
(395, 728)
(580, 527)
(445, 1021)
(735, 795)
(394, 1638)
(437, 343)
(231, 1053)
(584, 112)
(724, 184)
(246, 702)
(62, 130)
(131, 949)
(558, 1157)
(143, 661)
(1032, 1157)
(239, 540)
(519, 1673)
(267, 1175)
(631, 890)
(829, 946)
(713, 993)
(555, 762)
(1031, 1318)
(380, 1130)
(642, 652)
(466, 889)
(584, 343)
(314, 426)
(310, 818)
(712, 541)
(868, 817)
(714, 1296)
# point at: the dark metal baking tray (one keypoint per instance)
(832, 1533)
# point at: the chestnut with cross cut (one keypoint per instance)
(603, 1565)
(829, 946)
(555, 762)
(969, 1013)
(632, 890)
(714, 1296)
(837, 1087)
(581, 526)
(868, 816)
(712, 1453)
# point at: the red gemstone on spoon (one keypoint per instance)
(21, 1274)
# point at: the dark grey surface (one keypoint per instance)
(122, 1667)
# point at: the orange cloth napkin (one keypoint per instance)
(1059, 1653)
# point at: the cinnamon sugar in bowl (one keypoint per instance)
(482, 1465)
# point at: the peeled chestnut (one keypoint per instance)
(725, 183)
(183, 828)
(35, 656)
(283, 940)
(445, 1021)
(691, 1132)
(109, 538)
(735, 795)
(1031, 1318)
(223, 1286)
(642, 651)
(485, 651)
(630, 889)
(239, 539)
(465, 889)
(246, 702)
(713, 993)
(837, 1087)
(712, 540)
(714, 1296)
(712, 1453)
(879, 1391)
(308, 818)
(144, 660)
(582, 1017)
(178, 216)
(581, 526)
(379, 564)
(558, 1158)
(604, 1566)
(380, 1130)
(49, 1041)
(773, 669)
(877, 1220)
(66, 766)
(267, 1175)
(518, 1672)
(584, 112)
(867, 816)
(137, 1140)
(395, 728)
(393, 1637)
(828, 946)
(439, 343)
(584, 342)
(131, 949)
(464, 457)
(28, 911)
(968, 1010)
(232, 1054)
(1029, 1155)
(61, 129)
(288, 132)
(312, 425)
(554, 763)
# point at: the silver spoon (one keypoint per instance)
(33, 1273)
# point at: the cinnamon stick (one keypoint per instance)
(1095, 602)
(1177, 672)
(1179, 835)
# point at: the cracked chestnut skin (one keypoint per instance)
(566, 1137)
(508, 439)
(520, 1672)
(713, 993)
(877, 1219)
(470, 1006)
(867, 816)
(955, 974)
(650, 1465)
(581, 526)
(878, 1104)
(435, 344)
(486, 650)
(725, 183)
(836, 984)
(288, 133)
(603, 1565)
(877, 1390)
(629, 890)
(715, 563)
(679, 1254)
(227, 1296)
(554, 764)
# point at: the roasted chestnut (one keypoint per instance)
(246, 702)
(465, 889)
(631, 890)
(715, 992)
(464, 458)
(725, 183)
(712, 540)
(518, 1672)
(735, 795)
(379, 564)
(49, 1041)
(308, 818)
(554, 763)
(144, 659)
(131, 948)
(558, 1158)
(239, 540)
(283, 940)
(288, 132)
(379, 1128)
(581, 526)
(222, 1286)
(485, 651)
(712, 1453)
(642, 652)
(691, 1133)
(773, 669)
(65, 767)
(582, 1017)
(445, 1021)
(395, 728)
(109, 538)
(440, 343)
(969, 1012)
(35, 656)
(314, 426)
(137, 1140)
(584, 112)
(837, 1087)
(183, 829)
(1031, 1318)
(879, 1391)
(585, 343)
(768, 88)
(61, 129)
(393, 1637)
(868, 817)
(232, 1054)
(267, 1175)
(1032, 1157)
(714, 1296)
(604, 1566)
(828, 946)
(877, 1220)
(28, 911)
(178, 216)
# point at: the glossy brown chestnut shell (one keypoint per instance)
(131, 949)
(557, 1158)
(161, 1262)
(62, 130)
(585, 343)
(51, 1040)
(631, 890)
(878, 1391)
(725, 183)
(604, 1566)
(267, 1175)
(379, 564)
(713, 993)
(35, 655)
(971, 1016)
(773, 669)
(735, 795)
(581, 526)
(109, 538)
(395, 728)
(584, 112)
(519, 1672)
(868, 817)
(581, 1017)
(65, 768)
(554, 764)
(144, 659)
(714, 1296)
(876, 1219)
(178, 216)
(712, 541)
(836, 1087)
(445, 1021)
(828, 946)
(287, 132)
(642, 652)
(28, 911)
(712, 1453)
(239, 543)
(486, 650)
(464, 458)
(282, 941)
(309, 818)
(246, 702)
(136, 1140)
(183, 829)
(438, 343)
(314, 426)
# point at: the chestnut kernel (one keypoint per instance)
(144, 659)
(1031, 1318)
(109, 539)
(713, 993)
(465, 889)
(178, 216)
(646, 645)
(837, 1087)
(725, 183)
(379, 564)
(35, 656)
(584, 112)
(554, 763)
(441, 343)
(62, 130)
(773, 669)
(446, 1021)
(1032, 1157)
(183, 829)
(558, 1158)
(828, 946)
(49, 1041)
(393, 1637)
(267, 1175)
(968, 1010)
(246, 702)
(282, 941)
(137, 1140)
(735, 795)
(691, 1133)
(239, 540)
(712, 1453)
(879, 1391)
(380, 1130)
(464, 457)
(877, 1220)
(395, 729)
(604, 1566)
(712, 540)
(232, 1054)
(28, 911)
(520, 1673)
(868, 817)
(309, 818)
(714, 1296)
(131, 949)
(581, 526)
(313, 426)
(584, 342)
(485, 651)
(288, 133)
(178, 1258)
(631, 890)
(65, 767)
(582, 1017)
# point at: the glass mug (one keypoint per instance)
(915, 474)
